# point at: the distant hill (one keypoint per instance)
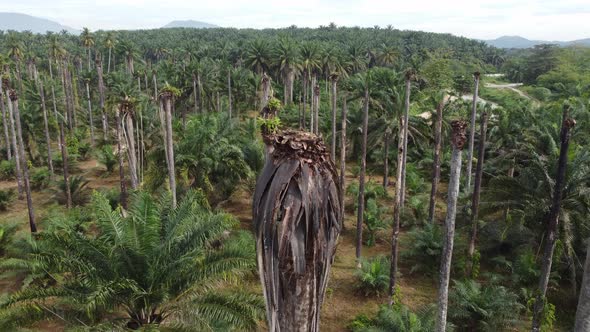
(521, 42)
(23, 22)
(190, 24)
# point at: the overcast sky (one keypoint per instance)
(533, 19)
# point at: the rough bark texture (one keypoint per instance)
(316, 112)
(90, 120)
(312, 106)
(5, 123)
(458, 141)
(436, 160)
(385, 160)
(265, 90)
(46, 128)
(24, 165)
(15, 148)
(410, 76)
(127, 125)
(361, 198)
(477, 192)
(552, 222)
(297, 220)
(302, 123)
(583, 312)
(167, 102)
(122, 181)
(472, 131)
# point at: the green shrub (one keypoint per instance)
(373, 218)
(425, 248)
(40, 178)
(79, 192)
(373, 276)
(396, 318)
(107, 157)
(7, 169)
(84, 151)
(477, 307)
(7, 232)
(6, 197)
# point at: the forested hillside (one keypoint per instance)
(129, 162)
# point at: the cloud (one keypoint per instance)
(535, 19)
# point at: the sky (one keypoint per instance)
(533, 19)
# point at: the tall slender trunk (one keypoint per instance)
(302, 123)
(46, 128)
(458, 141)
(101, 92)
(476, 193)
(167, 98)
(583, 311)
(334, 98)
(361, 198)
(436, 160)
(385, 160)
(409, 77)
(130, 139)
(90, 121)
(265, 90)
(25, 167)
(5, 122)
(397, 206)
(510, 174)
(122, 181)
(66, 166)
(155, 80)
(229, 97)
(18, 153)
(109, 63)
(472, 131)
(316, 113)
(343, 158)
(89, 56)
(552, 221)
(196, 108)
(312, 105)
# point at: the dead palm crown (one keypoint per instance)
(297, 219)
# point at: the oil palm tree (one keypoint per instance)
(87, 40)
(109, 42)
(155, 266)
(286, 55)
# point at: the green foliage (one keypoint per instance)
(6, 197)
(7, 169)
(373, 276)
(373, 218)
(270, 125)
(274, 105)
(482, 307)
(7, 233)
(107, 157)
(78, 189)
(548, 316)
(40, 178)
(153, 266)
(425, 248)
(396, 318)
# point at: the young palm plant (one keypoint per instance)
(155, 266)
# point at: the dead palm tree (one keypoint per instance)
(458, 139)
(553, 219)
(297, 220)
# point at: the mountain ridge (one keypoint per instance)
(189, 24)
(24, 22)
(521, 42)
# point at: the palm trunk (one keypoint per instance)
(476, 193)
(397, 206)
(109, 63)
(312, 105)
(302, 123)
(122, 181)
(409, 78)
(101, 92)
(458, 141)
(46, 128)
(583, 312)
(385, 161)
(436, 161)
(316, 113)
(229, 98)
(25, 167)
(155, 80)
(5, 122)
(55, 114)
(89, 56)
(334, 98)
(265, 91)
(130, 139)
(18, 153)
(566, 126)
(90, 122)
(167, 96)
(361, 198)
(66, 167)
(195, 94)
(343, 158)
(472, 130)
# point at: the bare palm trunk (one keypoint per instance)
(127, 125)
(436, 161)
(312, 105)
(297, 231)
(109, 62)
(101, 92)
(155, 80)
(5, 122)
(458, 141)
(476, 194)
(66, 166)
(583, 312)
(265, 90)
(122, 181)
(167, 101)
(90, 122)
(361, 198)
(385, 160)
(46, 128)
(472, 131)
(229, 95)
(409, 77)
(316, 113)
(18, 153)
(397, 206)
(334, 98)
(343, 158)
(552, 222)
(302, 123)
